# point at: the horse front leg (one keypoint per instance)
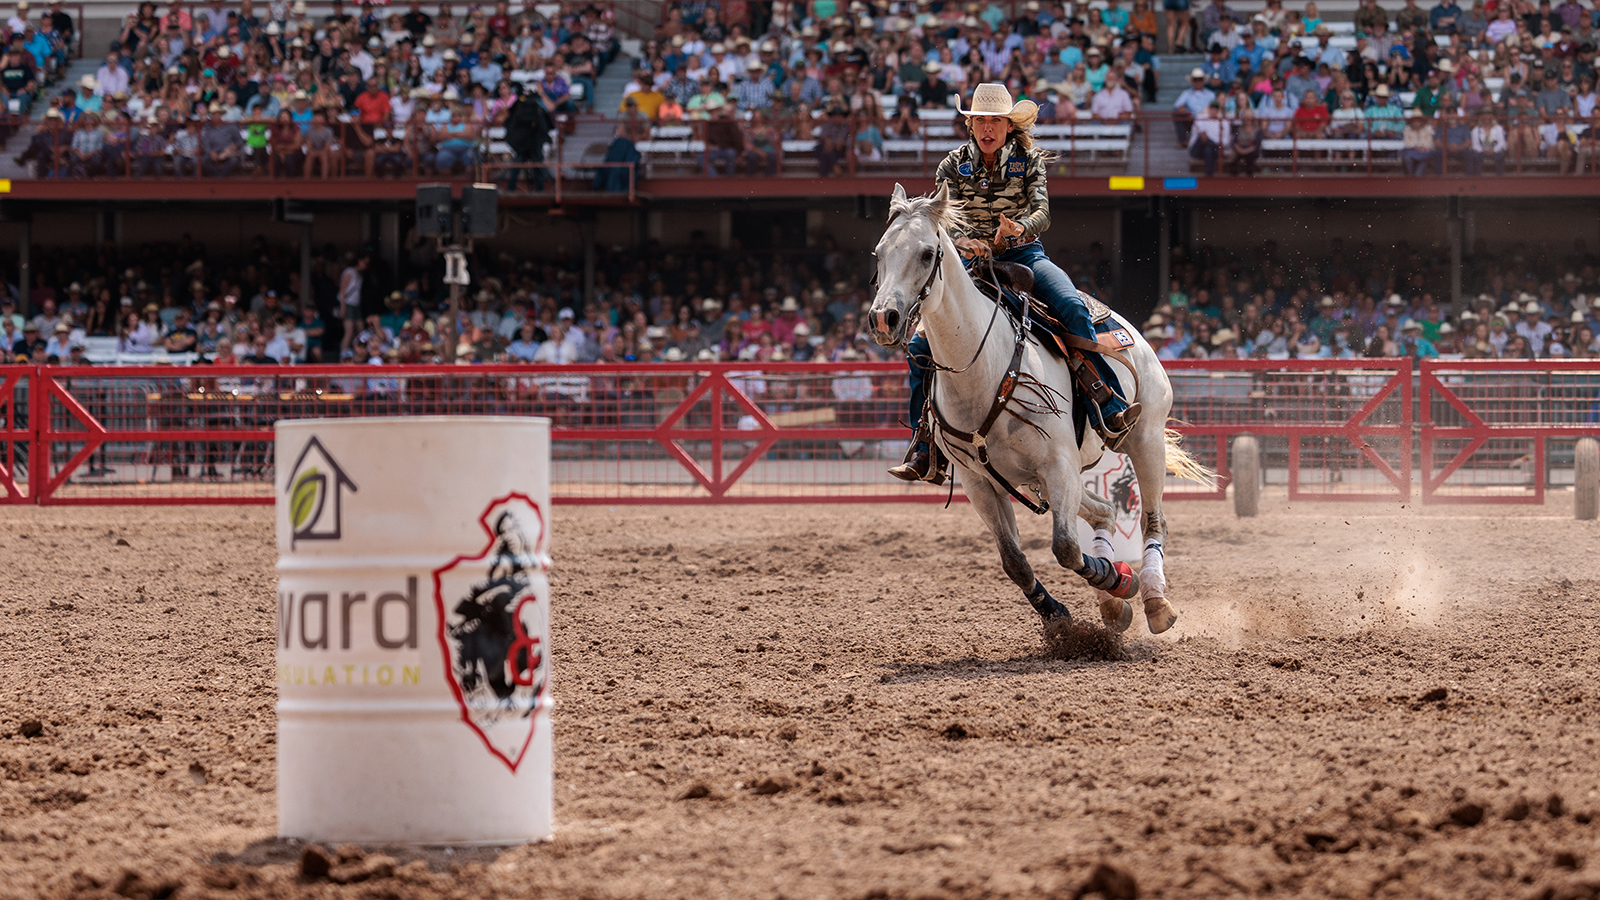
(995, 508)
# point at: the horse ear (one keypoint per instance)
(899, 192)
(942, 195)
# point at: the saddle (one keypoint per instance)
(1015, 283)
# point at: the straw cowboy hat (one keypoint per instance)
(994, 100)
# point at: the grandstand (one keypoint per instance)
(232, 160)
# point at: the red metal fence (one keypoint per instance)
(1497, 431)
(787, 432)
(1334, 429)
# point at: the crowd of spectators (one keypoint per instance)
(377, 91)
(851, 75)
(651, 304)
(1525, 303)
(694, 302)
(1464, 88)
(225, 89)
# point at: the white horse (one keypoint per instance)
(1032, 446)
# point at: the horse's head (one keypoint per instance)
(909, 257)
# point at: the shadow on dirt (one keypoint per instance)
(291, 852)
(1045, 659)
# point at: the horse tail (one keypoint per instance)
(1181, 464)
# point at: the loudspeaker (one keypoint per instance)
(479, 207)
(433, 210)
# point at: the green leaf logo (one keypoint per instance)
(305, 497)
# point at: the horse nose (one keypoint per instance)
(883, 322)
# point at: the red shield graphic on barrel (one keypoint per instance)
(494, 627)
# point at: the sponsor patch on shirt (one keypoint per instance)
(1015, 168)
(1122, 336)
(964, 169)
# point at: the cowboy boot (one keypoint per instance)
(1118, 424)
(921, 464)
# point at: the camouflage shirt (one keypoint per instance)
(1016, 186)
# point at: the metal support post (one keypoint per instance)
(24, 266)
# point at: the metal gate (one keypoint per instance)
(1492, 430)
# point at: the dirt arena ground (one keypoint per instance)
(853, 702)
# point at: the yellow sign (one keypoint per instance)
(1127, 182)
(5, 185)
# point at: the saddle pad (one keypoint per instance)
(1113, 338)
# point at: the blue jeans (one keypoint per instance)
(452, 154)
(1051, 285)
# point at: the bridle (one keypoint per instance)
(914, 314)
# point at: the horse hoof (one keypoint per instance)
(1160, 614)
(1117, 614)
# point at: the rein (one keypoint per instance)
(916, 314)
(979, 438)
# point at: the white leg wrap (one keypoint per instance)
(1101, 545)
(1153, 577)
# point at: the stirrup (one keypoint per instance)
(925, 465)
(1115, 429)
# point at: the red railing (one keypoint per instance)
(780, 432)
(1491, 428)
(587, 183)
(1337, 429)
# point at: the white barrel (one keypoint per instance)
(1246, 476)
(1586, 480)
(1112, 478)
(414, 629)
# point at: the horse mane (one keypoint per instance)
(939, 208)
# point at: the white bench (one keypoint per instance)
(1321, 151)
(677, 152)
(1085, 129)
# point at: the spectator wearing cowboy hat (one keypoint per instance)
(1191, 104)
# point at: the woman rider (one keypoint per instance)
(1000, 176)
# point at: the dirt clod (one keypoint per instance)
(1286, 663)
(1436, 695)
(314, 863)
(31, 728)
(132, 885)
(1518, 810)
(1555, 806)
(1111, 881)
(776, 784)
(1467, 814)
(697, 791)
